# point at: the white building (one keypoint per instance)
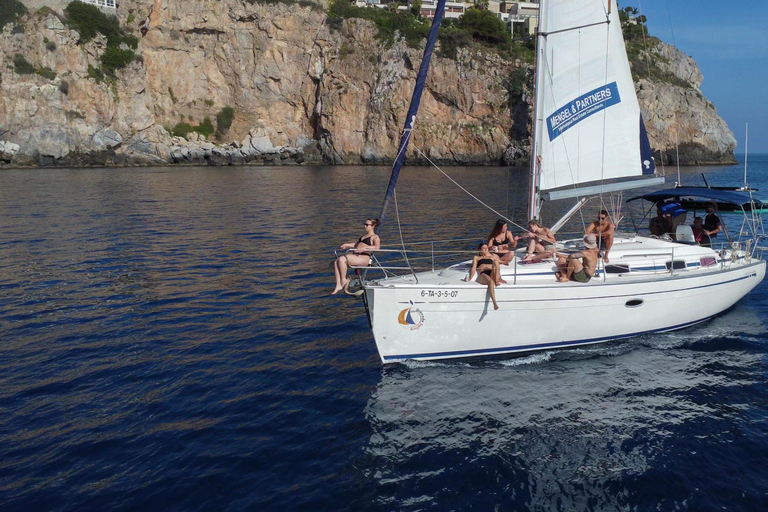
(371, 3)
(109, 4)
(522, 17)
(452, 9)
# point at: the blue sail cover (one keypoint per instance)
(646, 153)
(410, 119)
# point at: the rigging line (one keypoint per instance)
(507, 206)
(548, 75)
(645, 44)
(605, 121)
(545, 34)
(669, 16)
(400, 230)
(470, 194)
(578, 142)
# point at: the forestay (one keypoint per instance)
(588, 122)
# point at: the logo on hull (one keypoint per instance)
(411, 318)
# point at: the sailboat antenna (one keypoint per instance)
(677, 158)
(746, 145)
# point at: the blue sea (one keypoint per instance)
(168, 342)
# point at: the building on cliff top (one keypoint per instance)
(520, 17)
(108, 6)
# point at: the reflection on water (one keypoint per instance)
(568, 430)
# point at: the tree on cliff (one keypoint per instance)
(416, 8)
(10, 11)
(484, 25)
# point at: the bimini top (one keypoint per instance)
(697, 197)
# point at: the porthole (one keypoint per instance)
(634, 303)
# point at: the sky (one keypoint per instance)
(729, 42)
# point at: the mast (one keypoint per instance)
(410, 118)
(538, 77)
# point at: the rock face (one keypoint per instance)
(300, 91)
(679, 118)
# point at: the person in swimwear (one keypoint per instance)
(603, 229)
(542, 244)
(487, 266)
(361, 256)
(502, 243)
(570, 268)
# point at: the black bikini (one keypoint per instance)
(495, 243)
(366, 241)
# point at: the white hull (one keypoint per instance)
(442, 317)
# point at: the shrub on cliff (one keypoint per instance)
(303, 3)
(474, 25)
(89, 21)
(411, 28)
(205, 128)
(11, 11)
(22, 66)
(114, 58)
(181, 129)
(484, 26)
(451, 39)
(643, 62)
(224, 119)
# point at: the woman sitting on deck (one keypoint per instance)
(501, 242)
(542, 244)
(360, 258)
(487, 266)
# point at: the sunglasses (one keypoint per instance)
(601, 217)
(368, 224)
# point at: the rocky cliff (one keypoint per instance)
(677, 115)
(300, 92)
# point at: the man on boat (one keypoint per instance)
(660, 224)
(603, 229)
(712, 224)
(580, 271)
(674, 212)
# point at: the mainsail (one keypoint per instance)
(588, 122)
(410, 118)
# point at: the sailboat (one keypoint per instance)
(589, 139)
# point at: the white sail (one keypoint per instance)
(588, 125)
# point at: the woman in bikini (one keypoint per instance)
(542, 244)
(360, 257)
(487, 266)
(501, 242)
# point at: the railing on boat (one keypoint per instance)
(417, 252)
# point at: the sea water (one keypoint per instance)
(168, 342)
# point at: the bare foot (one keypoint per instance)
(495, 307)
(558, 275)
(605, 259)
(339, 288)
(564, 279)
(501, 281)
